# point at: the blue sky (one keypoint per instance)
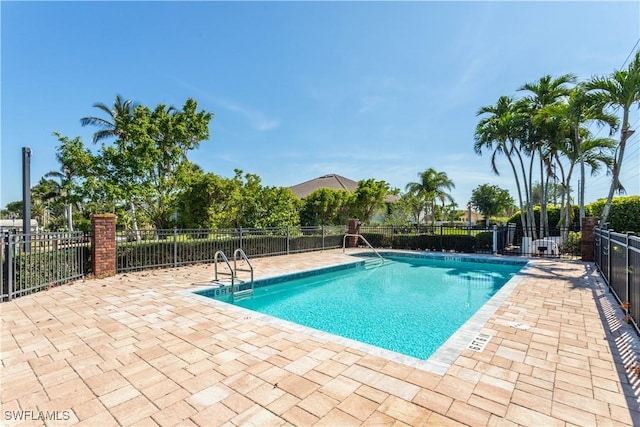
(378, 90)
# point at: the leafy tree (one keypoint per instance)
(368, 198)
(75, 163)
(13, 209)
(147, 164)
(326, 206)
(212, 201)
(280, 208)
(491, 200)
(430, 188)
(620, 90)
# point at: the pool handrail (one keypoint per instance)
(360, 236)
(215, 266)
(235, 270)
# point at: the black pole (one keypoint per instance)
(26, 197)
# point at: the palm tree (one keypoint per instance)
(121, 111)
(114, 127)
(502, 125)
(62, 190)
(580, 109)
(619, 90)
(431, 187)
(42, 195)
(546, 91)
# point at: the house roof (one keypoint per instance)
(334, 181)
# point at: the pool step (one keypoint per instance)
(372, 263)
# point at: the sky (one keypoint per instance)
(298, 90)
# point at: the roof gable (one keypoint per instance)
(333, 181)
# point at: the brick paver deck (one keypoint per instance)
(135, 350)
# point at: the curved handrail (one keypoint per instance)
(344, 242)
(244, 256)
(215, 266)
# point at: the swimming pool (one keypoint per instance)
(410, 305)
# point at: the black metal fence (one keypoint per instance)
(32, 262)
(173, 248)
(503, 240)
(617, 256)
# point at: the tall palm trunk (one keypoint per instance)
(515, 175)
(70, 217)
(134, 224)
(533, 231)
(582, 172)
(625, 133)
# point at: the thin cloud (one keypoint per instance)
(258, 120)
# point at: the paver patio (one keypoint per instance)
(134, 349)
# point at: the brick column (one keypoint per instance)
(588, 243)
(103, 245)
(354, 228)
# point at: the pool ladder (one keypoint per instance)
(233, 272)
(361, 237)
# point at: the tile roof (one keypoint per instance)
(334, 181)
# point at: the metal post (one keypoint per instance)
(322, 236)
(9, 262)
(469, 219)
(175, 247)
(288, 240)
(627, 266)
(609, 258)
(26, 197)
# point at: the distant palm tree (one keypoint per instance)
(43, 193)
(619, 90)
(63, 191)
(121, 111)
(430, 188)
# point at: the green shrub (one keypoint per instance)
(574, 242)
(50, 268)
(624, 214)
(484, 241)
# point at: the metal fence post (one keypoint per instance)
(288, 240)
(627, 253)
(9, 261)
(495, 240)
(323, 236)
(609, 258)
(175, 247)
(240, 240)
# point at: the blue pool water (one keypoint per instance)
(410, 305)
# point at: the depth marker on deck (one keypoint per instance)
(479, 342)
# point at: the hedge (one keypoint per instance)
(624, 214)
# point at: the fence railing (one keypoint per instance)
(173, 248)
(504, 240)
(617, 256)
(32, 262)
(37, 261)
